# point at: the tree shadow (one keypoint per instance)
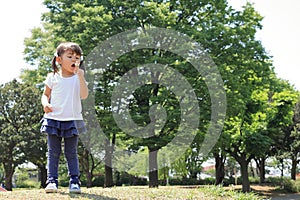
(87, 195)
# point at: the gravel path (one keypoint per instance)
(287, 197)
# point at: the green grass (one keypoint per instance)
(131, 193)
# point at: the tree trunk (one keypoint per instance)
(166, 174)
(108, 177)
(245, 175)
(43, 175)
(260, 163)
(220, 169)
(9, 172)
(193, 174)
(89, 182)
(87, 170)
(108, 165)
(294, 168)
(282, 167)
(153, 170)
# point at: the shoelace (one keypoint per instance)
(75, 182)
(74, 186)
(52, 180)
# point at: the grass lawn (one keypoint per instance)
(132, 193)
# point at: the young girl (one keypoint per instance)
(61, 100)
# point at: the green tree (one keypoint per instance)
(38, 52)
(281, 109)
(245, 68)
(289, 142)
(19, 114)
(295, 145)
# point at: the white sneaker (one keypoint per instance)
(74, 188)
(51, 188)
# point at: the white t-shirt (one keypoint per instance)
(65, 97)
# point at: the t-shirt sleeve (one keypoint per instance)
(49, 80)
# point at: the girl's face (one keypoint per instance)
(68, 61)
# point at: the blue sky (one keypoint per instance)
(280, 34)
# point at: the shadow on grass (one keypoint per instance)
(87, 195)
(263, 190)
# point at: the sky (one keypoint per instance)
(279, 35)
(17, 20)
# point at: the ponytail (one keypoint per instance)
(81, 65)
(54, 66)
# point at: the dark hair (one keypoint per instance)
(62, 48)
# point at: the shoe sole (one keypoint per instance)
(51, 191)
(75, 191)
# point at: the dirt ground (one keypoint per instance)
(269, 192)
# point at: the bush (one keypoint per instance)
(254, 180)
(218, 191)
(289, 185)
(99, 180)
(285, 184)
(184, 181)
(24, 179)
(28, 184)
(231, 181)
(120, 178)
(124, 178)
(192, 181)
(208, 181)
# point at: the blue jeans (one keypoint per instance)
(70, 150)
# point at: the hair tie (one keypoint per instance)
(56, 54)
(81, 58)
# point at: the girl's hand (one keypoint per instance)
(77, 70)
(84, 91)
(80, 73)
(48, 108)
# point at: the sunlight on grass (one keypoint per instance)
(133, 192)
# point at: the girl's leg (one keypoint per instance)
(72, 157)
(54, 151)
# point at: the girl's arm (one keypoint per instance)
(46, 99)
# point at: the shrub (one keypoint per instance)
(99, 180)
(218, 191)
(289, 185)
(124, 178)
(184, 181)
(254, 180)
(28, 184)
(284, 184)
(24, 179)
